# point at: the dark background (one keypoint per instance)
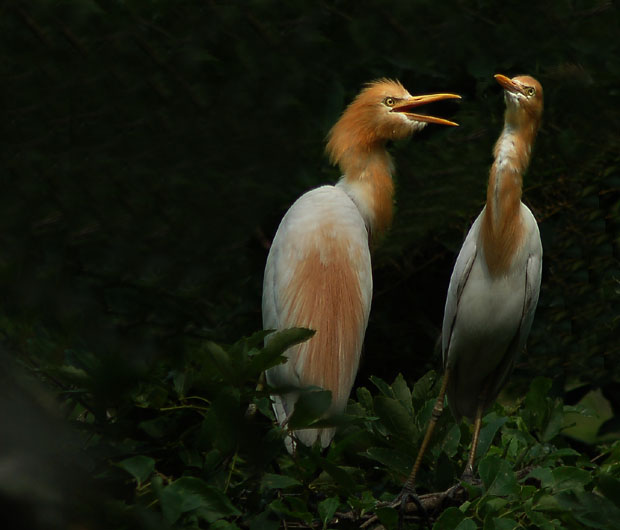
(150, 149)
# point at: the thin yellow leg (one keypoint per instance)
(469, 468)
(437, 410)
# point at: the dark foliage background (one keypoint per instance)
(149, 150)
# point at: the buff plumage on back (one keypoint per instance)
(325, 295)
(318, 276)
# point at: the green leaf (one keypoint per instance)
(70, 374)
(422, 388)
(340, 475)
(595, 511)
(391, 458)
(394, 416)
(327, 509)
(610, 487)
(504, 523)
(492, 506)
(188, 494)
(140, 467)
(536, 403)
(297, 512)
(555, 423)
(402, 392)
(383, 387)
(365, 398)
(223, 423)
(568, 477)
(492, 423)
(180, 383)
(271, 481)
(223, 525)
(388, 516)
(466, 524)
(561, 453)
(276, 345)
(497, 476)
(265, 521)
(450, 443)
(255, 340)
(449, 519)
(311, 405)
(172, 504)
(222, 362)
(544, 474)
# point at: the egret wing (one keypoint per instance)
(318, 276)
(458, 280)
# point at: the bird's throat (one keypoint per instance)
(502, 226)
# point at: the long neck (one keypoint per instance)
(367, 179)
(502, 226)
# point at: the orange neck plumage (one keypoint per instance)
(367, 173)
(367, 178)
(502, 226)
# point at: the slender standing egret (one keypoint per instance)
(318, 272)
(495, 283)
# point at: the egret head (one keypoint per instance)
(524, 98)
(382, 111)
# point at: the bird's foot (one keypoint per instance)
(468, 475)
(463, 486)
(408, 493)
(451, 493)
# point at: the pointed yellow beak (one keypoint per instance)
(416, 101)
(509, 84)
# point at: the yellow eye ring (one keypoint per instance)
(530, 91)
(389, 102)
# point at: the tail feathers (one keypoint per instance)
(309, 436)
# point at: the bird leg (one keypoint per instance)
(468, 474)
(408, 491)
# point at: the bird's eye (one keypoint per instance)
(530, 91)
(389, 102)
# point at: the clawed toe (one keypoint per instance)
(400, 503)
(468, 476)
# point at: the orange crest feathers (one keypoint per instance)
(366, 121)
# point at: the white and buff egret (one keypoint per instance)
(318, 273)
(495, 283)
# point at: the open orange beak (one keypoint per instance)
(415, 101)
(509, 84)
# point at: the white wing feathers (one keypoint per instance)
(460, 273)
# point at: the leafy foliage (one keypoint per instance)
(185, 455)
(150, 150)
